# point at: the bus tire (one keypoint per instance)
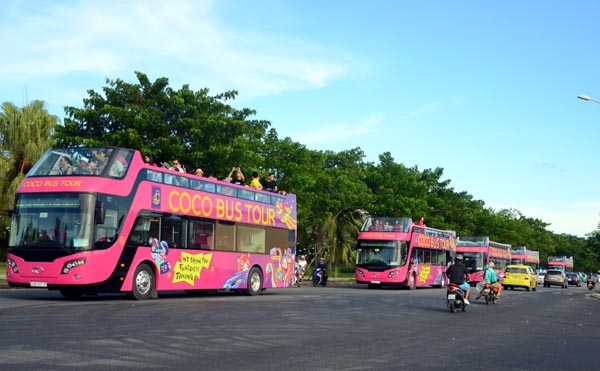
(254, 282)
(71, 293)
(144, 283)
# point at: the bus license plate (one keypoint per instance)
(38, 284)
(451, 296)
(376, 282)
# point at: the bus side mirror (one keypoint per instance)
(99, 212)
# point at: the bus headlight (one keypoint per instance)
(13, 266)
(392, 274)
(359, 272)
(72, 264)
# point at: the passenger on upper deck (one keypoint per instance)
(65, 167)
(101, 159)
(397, 226)
(255, 182)
(148, 160)
(270, 184)
(236, 176)
(84, 167)
(177, 166)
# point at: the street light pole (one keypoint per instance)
(585, 97)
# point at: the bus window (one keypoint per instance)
(226, 236)
(225, 190)
(250, 239)
(276, 238)
(173, 231)
(201, 235)
(106, 233)
(245, 194)
(146, 227)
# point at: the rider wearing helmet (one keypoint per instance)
(491, 277)
(456, 274)
(321, 271)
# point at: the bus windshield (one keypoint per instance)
(101, 161)
(46, 221)
(474, 261)
(386, 254)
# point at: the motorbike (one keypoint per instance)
(320, 277)
(490, 293)
(591, 284)
(299, 275)
(455, 297)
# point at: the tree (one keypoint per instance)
(341, 230)
(25, 135)
(204, 131)
(200, 130)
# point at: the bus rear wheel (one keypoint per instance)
(143, 283)
(254, 282)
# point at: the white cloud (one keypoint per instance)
(339, 132)
(181, 40)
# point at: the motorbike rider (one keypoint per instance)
(301, 266)
(591, 281)
(490, 277)
(302, 263)
(323, 267)
(456, 274)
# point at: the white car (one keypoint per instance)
(540, 279)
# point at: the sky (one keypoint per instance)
(485, 90)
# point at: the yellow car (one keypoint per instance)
(520, 276)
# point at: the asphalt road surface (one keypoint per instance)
(307, 328)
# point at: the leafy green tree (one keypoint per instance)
(25, 135)
(204, 131)
(198, 129)
(341, 231)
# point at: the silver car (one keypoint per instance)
(557, 278)
(540, 278)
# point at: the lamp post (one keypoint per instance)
(585, 97)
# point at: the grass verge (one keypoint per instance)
(3, 283)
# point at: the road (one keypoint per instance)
(308, 328)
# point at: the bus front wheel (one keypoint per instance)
(143, 283)
(71, 293)
(254, 282)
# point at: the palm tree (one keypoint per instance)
(25, 134)
(341, 231)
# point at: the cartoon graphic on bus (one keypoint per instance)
(160, 252)
(283, 272)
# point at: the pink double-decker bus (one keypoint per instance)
(522, 255)
(479, 250)
(95, 220)
(396, 252)
(562, 263)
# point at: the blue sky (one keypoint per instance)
(485, 90)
